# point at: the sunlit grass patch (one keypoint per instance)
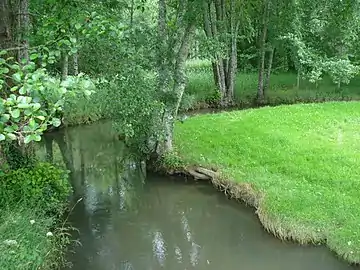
(304, 159)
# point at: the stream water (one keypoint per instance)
(130, 220)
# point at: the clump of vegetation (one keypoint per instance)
(44, 186)
(303, 159)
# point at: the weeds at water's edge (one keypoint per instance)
(172, 165)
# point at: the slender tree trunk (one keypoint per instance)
(132, 8)
(232, 63)
(298, 77)
(262, 48)
(49, 148)
(268, 72)
(23, 30)
(172, 68)
(76, 63)
(64, 65)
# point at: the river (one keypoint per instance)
(129, 220)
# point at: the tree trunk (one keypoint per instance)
(172, 68)
(23, 29)
(298, 77)
(132, 8)
(5, 25)
(232, 63)
(268, 72)
(216, 15)
(262, 48)
(64, 65)
(76, 64)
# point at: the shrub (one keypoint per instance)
(44, 186)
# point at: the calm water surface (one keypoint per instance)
(128, 220)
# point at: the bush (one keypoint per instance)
(44, 186)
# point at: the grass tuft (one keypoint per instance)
(298, 164)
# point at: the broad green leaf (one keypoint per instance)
(3, 52)
(28, 112)
(14, 88)
(40, 117)
(2, 137)
(27, 139)
(36, 106)
(34, 56)
(17, 77)
(5, 117)
(22, 90)
(32, 124)
(56, 122)
(15, 66)
(15, 113)
(11, 136)
(9, 129)
(73, 40)
(23, 106)
(77, 26)
(4, 70)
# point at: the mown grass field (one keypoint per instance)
(303, 158)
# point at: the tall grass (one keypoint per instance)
(27, 240)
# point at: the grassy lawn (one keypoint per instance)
(304, 159)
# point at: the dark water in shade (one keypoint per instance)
(128, 220)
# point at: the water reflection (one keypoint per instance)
(126, 222)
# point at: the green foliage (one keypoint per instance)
(303, 158)
(172, 161)
(44, 187)
(137, 114)
(17, 156)
(214, 98)
(34, 101)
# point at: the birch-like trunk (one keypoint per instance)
(76, 64)
(172, 66)
(219, 21)
(262, 51)
(23, 30)
(64, 65)
(268, 71)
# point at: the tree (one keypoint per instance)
(221, 25)
(176, 28)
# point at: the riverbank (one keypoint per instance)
(200, 93)
(298, 165)
(32, 233)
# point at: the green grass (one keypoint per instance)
(282, 89)
(33, 248)
(303, 158)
